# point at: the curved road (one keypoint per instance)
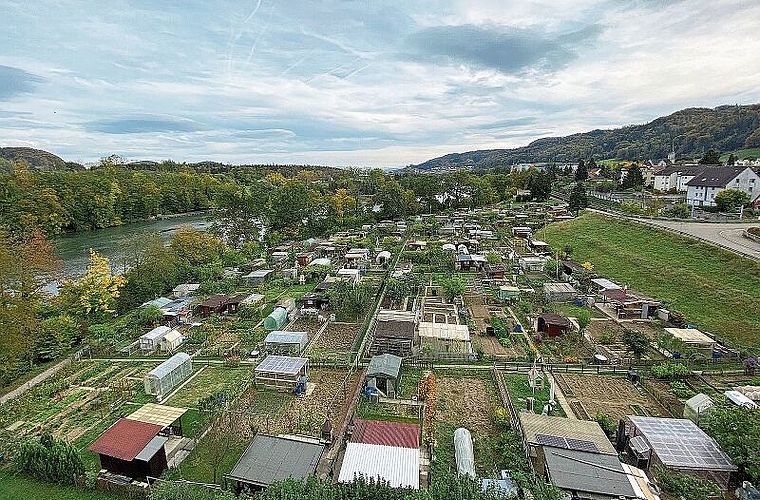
(726, 234)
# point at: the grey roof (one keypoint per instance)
(686, 169)
(386, 365)
(680, 443)
(534, 424)
(715, 176)
(587, 472)
(151, 448)
(287, 365)
(269, 458)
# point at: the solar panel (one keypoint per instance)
(566, 443)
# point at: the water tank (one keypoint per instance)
(463, 452)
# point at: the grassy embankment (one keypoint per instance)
(20, 487)
(716, 290)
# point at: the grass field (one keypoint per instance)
(742, 153)
(20, 487)
(716, 290)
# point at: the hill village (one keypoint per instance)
(409, 351)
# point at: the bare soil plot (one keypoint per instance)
(466, 402)
(337, 337)
(304, 324)
(614, 396)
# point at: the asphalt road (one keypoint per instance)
(728, 234)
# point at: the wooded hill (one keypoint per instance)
(37, 159)
(692, 132)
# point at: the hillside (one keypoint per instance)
(693, 131)
(37, 159)
(691, 277)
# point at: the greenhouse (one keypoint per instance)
(281, 372)
(160, 380)
(276, 319)
(290, 343)
(151, 340)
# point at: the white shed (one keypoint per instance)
(697, 406)
(171, 341)
(151, 341)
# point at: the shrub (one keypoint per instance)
(670, 371)
(684, 485)
(48, 459)
(606, 422)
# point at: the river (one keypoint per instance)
(74, 249)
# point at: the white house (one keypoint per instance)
(708, 183)
(675, 177)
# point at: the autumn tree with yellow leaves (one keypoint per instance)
(93, 297)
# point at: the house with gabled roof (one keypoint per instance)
(703, 187)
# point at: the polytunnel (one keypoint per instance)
(463, 452)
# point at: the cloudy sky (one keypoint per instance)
(367, 83)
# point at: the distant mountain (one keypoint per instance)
(692, 132)
(37, 159)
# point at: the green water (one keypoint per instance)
(73, 250)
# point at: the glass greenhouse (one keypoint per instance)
(160, 380)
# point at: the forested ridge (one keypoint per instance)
(691, 132)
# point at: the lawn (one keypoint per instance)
(519, 391)
(211, 380)
(716, 290)
(21, 487)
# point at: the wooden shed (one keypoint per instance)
(553, 325)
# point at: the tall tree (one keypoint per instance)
(712, 157)
(581, 172)
(634, 179)
(578, 199)
(729, 200)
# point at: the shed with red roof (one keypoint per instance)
(132, 448)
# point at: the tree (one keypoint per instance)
(578, 199)
(731, 160)
(49, 459)
(737, 431)
(729, 200)
(712, 157)
(581, 172)
(540, 185)
(93, 297)
(237, 212)
(637, 343)
(634, 179)
(452, 287)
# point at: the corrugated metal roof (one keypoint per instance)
(690, 335)
(399, 466)
(152, 448)
(125, 439)
(386, 433)
(270, 458)
(387, 365)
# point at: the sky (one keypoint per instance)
(357, 83)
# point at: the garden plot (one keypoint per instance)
(304, 324)
(615, 396)
(211, 380)
(337, 337)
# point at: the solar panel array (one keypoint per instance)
(680, 443)
(566, 443)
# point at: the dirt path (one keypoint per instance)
(36, 380)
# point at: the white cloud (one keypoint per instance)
(332, 82)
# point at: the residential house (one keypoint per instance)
(703, 187)
(675, 177)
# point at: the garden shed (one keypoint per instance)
(393, 333)
(397, 465)
(213, 305)
(258, 276)
(171, 341)
(287, 343)
(552, 324)
(560, 292)
(384, 373)
(281, 372)
(694, 339)
(132, 448)
(152, 340)
(163, 378)
(271, 458)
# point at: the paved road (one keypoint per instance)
(728, 234)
